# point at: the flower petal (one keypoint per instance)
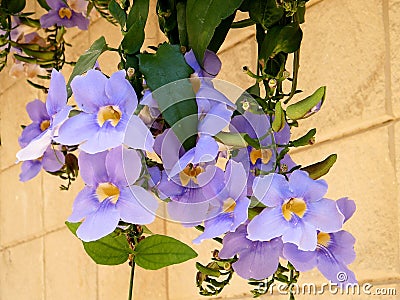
(89, 91)
(120, 92)
(302, 260)
(123, 166)
(136, 205)
(29, 169)
(305, 187)
(215, 227)
(77, 129)
(235, 242)
(105, 138)
(324, 215)
(85, 204)
(29, 133)
(215, 120)
(347, 207)
(272, 189)
(57, 96)
(36, 147)
(53, 160)
(137, 135)
(36, 110)
(235, 179)
(302, 234)
(252, 262)
(99, 223)
(92, 168)
(269, 224)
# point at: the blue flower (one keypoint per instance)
(333, 253)
(257, 259)
(46, 119)
(61, 14)
(295, 210)
(107, 119)
(110, 194)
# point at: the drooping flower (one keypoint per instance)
(295, 210)
(232, 211)
(211, 64)
(46, 119)
(333, 253)
(51, 161)
(62, 14)
(257, 259)
(107, 119)
(110, 193)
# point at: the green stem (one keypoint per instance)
(131, 280)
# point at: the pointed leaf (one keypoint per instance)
(304, 107)
(117, 12)
(87, 60)
(279, 121)
(265, 12)
(158, 251)
(307, 139)
(135, 24)
(110, 250)
(167, 73)
(321, 168)
(202, 18)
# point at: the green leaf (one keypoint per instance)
(87, 60)
(135, 24)
(321, 168)
(207, 271)
(265, 12)
(166, 74)
(279, 121)
(117, 12)
(202, 18)
(243, 23)
(44, 4)
(281, 39)
(303, 108)
(158, 251)
(235, 140)
(13, 6)
(305, 140)
(110, 250)
(220, 33)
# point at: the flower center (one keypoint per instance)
(294, 206)
(323, 239)
(44, 125)
(65, 12)
(190, 172)
(109, 113)
(263, 154)
(107, 190)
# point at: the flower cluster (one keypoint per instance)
(131, 161)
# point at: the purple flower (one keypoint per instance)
(109, 194)
(51, 161)
(61, 14)
(185, 177)
(211, 64)
(233, 208)
(296, 210)
(257, 260)
(107, 119)
(46, 119)
(333, 253)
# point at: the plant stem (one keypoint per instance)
(131, 280)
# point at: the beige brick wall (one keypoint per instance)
(350, 46)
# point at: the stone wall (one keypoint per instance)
(350, 46)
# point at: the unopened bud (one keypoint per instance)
(215, 254)
(245, 105)
(227, 266)
(130, 72)
(272, 83)
(285, 74)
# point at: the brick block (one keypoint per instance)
(337, 52)
(21, 275)
(69, 271)
(20, 207)
(13, 115)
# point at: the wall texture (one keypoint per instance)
(350, 46)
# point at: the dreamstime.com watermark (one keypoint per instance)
(328, 287)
